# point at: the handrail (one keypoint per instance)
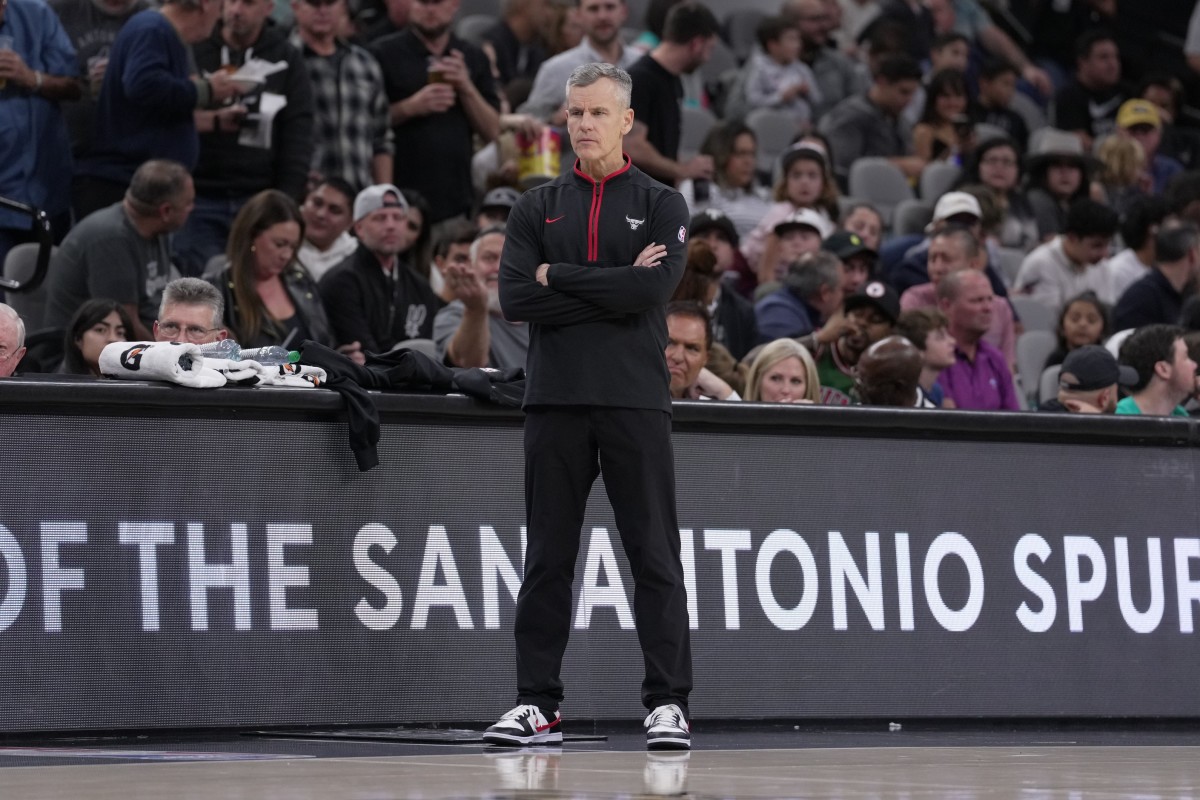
(45, 241)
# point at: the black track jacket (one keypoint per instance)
(598, 333)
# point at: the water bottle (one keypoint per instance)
(270, 356)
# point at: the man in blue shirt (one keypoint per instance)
(148, 99)
(36, 72)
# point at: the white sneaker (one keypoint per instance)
(665, 774)
(668, 729)
(525, 771)
(525, 725)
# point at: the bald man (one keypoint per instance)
(889, 372)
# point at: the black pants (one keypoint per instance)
(565, 449)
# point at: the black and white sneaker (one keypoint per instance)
(668, 729)
(525, 725)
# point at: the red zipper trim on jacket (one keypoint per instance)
(593, 236)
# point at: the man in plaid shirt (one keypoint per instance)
(352, 138)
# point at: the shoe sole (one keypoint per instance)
(516, 740)
(669, 743)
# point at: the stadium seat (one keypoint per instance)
(1035, 316)
(740, 31)
(1008, 263)
(1048, 390)
(696, 124)
(937, 178)
(880, 183)
(775, 131)
(1033, 348)
(19, 265)
(911, 216)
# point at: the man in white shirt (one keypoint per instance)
(327, 240)
(1070, 263)
(1137, 232)
(601, 21)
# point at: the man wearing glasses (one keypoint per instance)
(191, 311)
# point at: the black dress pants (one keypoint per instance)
(565, 449)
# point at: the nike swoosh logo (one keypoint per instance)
(556, 219)
(1105, 108)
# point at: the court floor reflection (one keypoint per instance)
(1033, 772)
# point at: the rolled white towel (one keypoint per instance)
(176, 362)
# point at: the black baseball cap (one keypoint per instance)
(713, 219)
(879, 295)
(1092, 367)
(847, 244)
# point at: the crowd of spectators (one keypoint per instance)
(342, 170)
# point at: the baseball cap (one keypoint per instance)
(879, 295)
(804, 218)
(953, 203)
(1138, 112)
(713, 219)
(501, 197)
(373, 198)
(1092, 367)
(847, 244)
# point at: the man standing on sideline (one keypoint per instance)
(590, 260)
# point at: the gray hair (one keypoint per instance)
(812, 273)
(491, 230)
(156, 182)
(9, 313)
(193, 292)
(587, 74)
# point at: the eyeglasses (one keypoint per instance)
(193, 333)
(5, 353)
(999, 161)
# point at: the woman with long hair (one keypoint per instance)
(804, 182)
(734, 189)
(783, 372)
(996, 164)
(418, 233)
(98, 323)
(269, 297)
(733, 324)
(942, 133)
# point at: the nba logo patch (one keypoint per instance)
(682, 233)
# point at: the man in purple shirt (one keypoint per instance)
(980, 378)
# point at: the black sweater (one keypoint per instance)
(229, 168)
(597, 332)
(365, 305)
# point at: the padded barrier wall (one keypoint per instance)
(175, 558)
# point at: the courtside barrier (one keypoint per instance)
(173, 558)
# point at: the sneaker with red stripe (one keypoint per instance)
(525, 725)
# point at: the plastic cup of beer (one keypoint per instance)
(6, 43)
(435, 73)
